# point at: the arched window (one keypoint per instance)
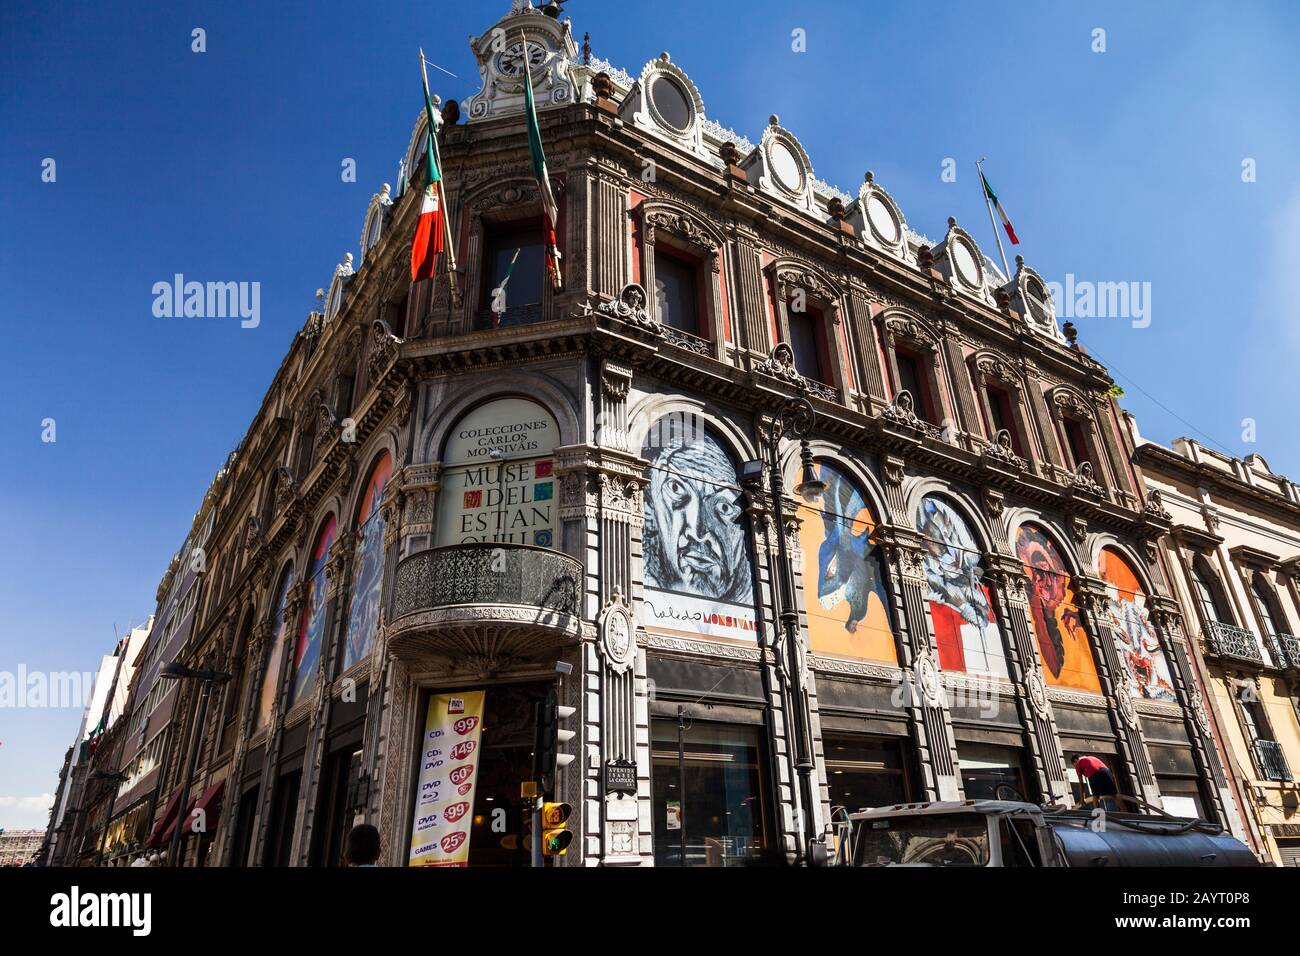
(843, 574)
(274, 655)
(1269, 611)
(1208, 594)
(363, 616)
(311, 631)
(1063, 645)
(699, 574)
(498, 479)
(961, 605)
(1140, 653)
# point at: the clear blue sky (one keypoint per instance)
(1118, 166)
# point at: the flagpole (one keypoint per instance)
(992, 222)
(442, 193)
(553, 253)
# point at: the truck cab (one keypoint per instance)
(976, 833)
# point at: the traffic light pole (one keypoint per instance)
(538, 746)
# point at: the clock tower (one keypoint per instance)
(500, 51)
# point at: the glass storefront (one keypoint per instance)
(990, 772)
(709, 802)
(864, 772)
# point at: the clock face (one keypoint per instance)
(510, 61)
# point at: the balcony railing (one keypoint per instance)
(1226, 640)
(1288, 649)
(1272, 762)
(486, 599)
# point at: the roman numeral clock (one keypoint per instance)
(551, 53)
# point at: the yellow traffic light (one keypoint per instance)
(556, 836)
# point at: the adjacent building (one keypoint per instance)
(20, 847)
(1233, 558)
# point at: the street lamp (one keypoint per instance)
(116, 776)
(178, 671)
(795, 419)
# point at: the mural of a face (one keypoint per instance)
(961, 610)
(1063, 645)
(844, 588)
(364, 614)
(695, 529)
(1136, 640)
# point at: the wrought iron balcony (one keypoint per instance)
(1288, 649)
(1271, 761)
(485, 602)
(1237, 643)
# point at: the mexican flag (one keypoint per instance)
(429, 230)
(1002, 213)
(550, 212)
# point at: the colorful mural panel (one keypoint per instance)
(843, 575)
(274, 654)
(363, 616)
(698, 569)
(311, 632)
(1140, 653)
(961, 607)
(1063, 645)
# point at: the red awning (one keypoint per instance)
(212, 796)
(162, 830)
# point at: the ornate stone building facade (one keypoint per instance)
(446, 492)
(1234, 559)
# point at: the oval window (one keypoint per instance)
(672, 104)
(967, 266)
(788, 171)
(882, 220)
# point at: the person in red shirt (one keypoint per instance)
(1101, 782)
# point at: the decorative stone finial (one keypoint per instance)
(952, 222)
(1020, 261)
(586, 48)
(1071, 334)
(602, 85)
(836, 208)
(869, 178)
(729, 152)
(665, 57)
(774, 120)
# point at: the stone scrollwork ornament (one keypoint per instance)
(927, 678)
(1038, 693)
(617, 641)
(630, 307)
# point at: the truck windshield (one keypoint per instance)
(960, 839)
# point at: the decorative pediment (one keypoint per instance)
(376, 220)
(990, 365)
(1071, 402)
(1028, 294)
(666, 104)
(680, 224)
(959, 259)
(780, 167)
(793, 277)
(910, 328)
(877, 219)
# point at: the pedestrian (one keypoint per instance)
(362, 846)
(1101, 782)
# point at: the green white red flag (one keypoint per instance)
(1002, 213)
(550, 211)
(429, 230)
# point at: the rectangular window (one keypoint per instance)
(677, 293)
(805, 342)
(992, 773)
(343, 405)
(284, 813)
(515, 264)
(1003, 417)
(912, 378)
(1078, 442)
(864, 772)
(708, 800)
